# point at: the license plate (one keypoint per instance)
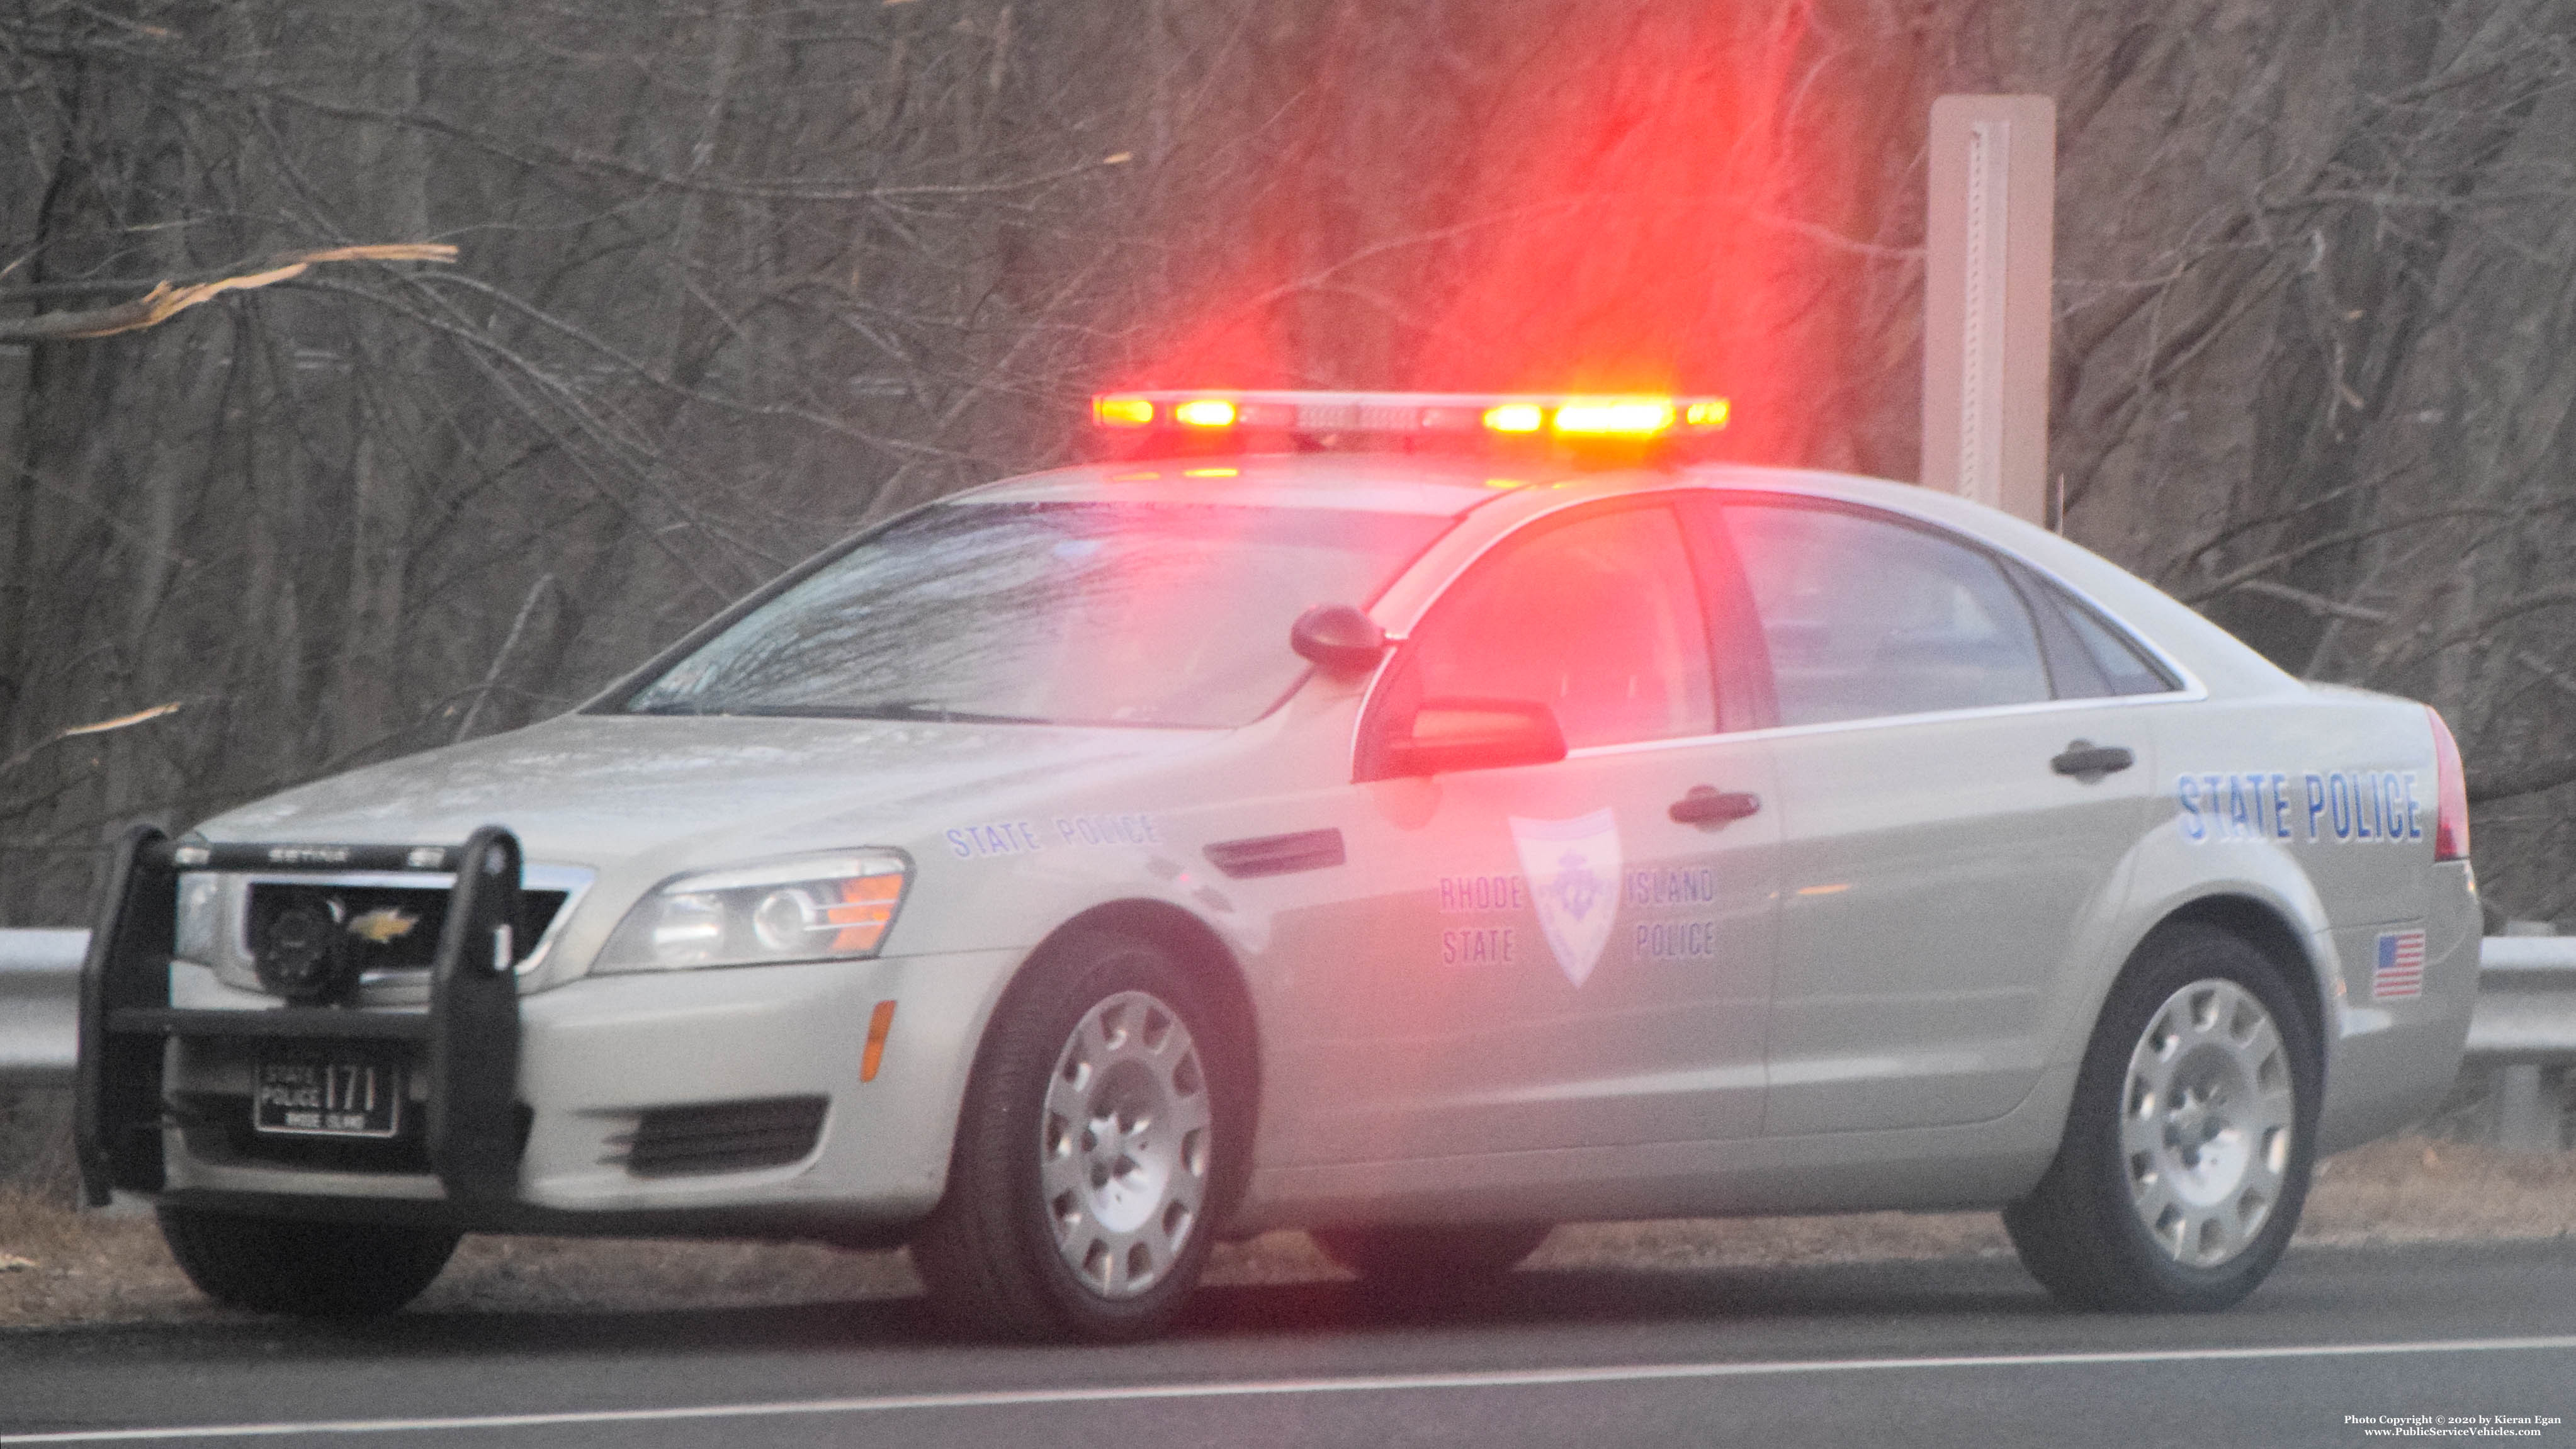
(335, 1096)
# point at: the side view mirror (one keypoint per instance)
(1449, 735)
(1338, 639)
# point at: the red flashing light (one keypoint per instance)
(1571, 416)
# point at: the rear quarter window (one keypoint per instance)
(2126, 668)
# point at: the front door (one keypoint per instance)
(1575, 953)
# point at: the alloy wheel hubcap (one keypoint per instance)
(1123, 1144)
(2207, 1122)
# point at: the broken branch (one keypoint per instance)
(167, 300)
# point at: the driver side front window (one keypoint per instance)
(1596, 619)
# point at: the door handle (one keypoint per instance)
(2088, 762)
(1708, 805)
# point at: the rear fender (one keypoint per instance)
(2260, 892)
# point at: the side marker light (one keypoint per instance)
(880, 1021)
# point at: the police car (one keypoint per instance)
(1417, 819)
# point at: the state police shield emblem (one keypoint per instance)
(1573, 872)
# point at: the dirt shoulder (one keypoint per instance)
(58, 1267)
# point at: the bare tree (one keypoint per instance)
(737, 276)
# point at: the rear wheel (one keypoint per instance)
(2190, 1138)
(1097, 1143)
(311, 1269)
(1422, 1258)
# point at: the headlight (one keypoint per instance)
(201, 919)
(806, 908)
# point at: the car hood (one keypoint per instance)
(591, 789)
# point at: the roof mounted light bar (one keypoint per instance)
(1634, 417)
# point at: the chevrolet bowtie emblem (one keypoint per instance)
(383, 924)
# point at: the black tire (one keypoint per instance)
(2084, 1232)
(309, 1269)
(1430, 1258)
(998, 1253)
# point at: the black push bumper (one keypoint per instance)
(468, 1040)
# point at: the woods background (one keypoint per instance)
(737, 276)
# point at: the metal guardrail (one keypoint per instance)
(2526, 999)
(40, 1005)
(2525, 1024)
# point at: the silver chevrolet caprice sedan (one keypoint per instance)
(1420, 846)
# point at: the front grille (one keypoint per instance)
(725, 1136)
(421, 913)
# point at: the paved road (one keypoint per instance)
(1948, 1353)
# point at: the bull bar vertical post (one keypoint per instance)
(475, 1121)
(116, 1083)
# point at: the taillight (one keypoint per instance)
(2451, 819)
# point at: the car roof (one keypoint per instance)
(1366, 482)
(1491, 496)
(1427, 483)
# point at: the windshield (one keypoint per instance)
(1059, 613)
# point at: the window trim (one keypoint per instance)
(1709, 498)
(1748, 692)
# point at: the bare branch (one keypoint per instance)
(167, 300)
(105, 726)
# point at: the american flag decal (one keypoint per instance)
(2399, 969)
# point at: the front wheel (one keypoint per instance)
(311, 1269)
(1097, 1143)
(2190, 1138)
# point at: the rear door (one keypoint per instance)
(1959, 793)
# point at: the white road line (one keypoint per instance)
(1253, 1388)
